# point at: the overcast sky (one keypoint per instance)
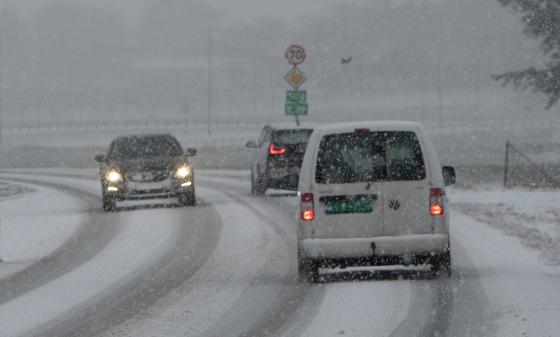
(234, 10)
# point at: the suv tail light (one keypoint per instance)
(276, 150)
(436, 201)
(307, 207)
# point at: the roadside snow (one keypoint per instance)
(33, 225)
(12, 190)
(523, 294)
(533, 216)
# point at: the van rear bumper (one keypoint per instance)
(424, 244)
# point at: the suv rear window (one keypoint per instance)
(369, 156)
(294, 136)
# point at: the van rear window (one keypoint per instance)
(369, 156)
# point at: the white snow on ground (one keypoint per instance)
(533, 216)
(138, 243)
(33, 225)
(12, 190)
(361, 309)
(348, 308)
(244, 247)
(523, 294)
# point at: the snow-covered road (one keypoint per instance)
(227, 267)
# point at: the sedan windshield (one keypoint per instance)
(144, 147)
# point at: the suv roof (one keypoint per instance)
(289, 126)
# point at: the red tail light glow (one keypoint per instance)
(436, 201)
(307, 207)
(436, 210)
(308, 215)
(273, 149)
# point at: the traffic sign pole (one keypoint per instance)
(296, 100)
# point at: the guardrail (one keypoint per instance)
(443, 127)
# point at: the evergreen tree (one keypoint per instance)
(542, 21)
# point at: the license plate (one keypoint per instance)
(349, 204)
(148, 186)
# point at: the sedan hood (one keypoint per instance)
(146, 169)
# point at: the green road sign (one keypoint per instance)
(296, 109)
(296, 96)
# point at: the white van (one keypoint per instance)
(373, 193)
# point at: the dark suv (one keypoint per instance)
(278, 156)
(146, 167)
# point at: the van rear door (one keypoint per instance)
(348, 182)
(407, 187)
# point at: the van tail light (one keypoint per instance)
(307, 207)
(276, 150)
(436, 201)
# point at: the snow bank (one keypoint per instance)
(533, 216)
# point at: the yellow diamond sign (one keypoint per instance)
(295, 77)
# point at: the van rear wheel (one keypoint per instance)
(308, 270)
(441, 265)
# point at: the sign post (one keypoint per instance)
(296, 100)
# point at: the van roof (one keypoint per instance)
(372, 125)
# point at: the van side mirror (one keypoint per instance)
(449, 176)
(100, 158)
(190, 152)
(251, 144)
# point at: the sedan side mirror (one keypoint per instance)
(449, 176)
(100, 158)
(190, 152)
(251, 144)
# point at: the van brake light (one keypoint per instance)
(307, 207)
(436, 201)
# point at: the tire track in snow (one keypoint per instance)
(142, 287)
(295, 297)
(92, 235)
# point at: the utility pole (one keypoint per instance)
(210, 29)
(439, 70)
(1, 82)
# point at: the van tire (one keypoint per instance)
(441, 265)
(308, 270)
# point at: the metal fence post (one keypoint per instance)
(0, 240)
(506, 166)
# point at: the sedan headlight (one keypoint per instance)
(183, 172)
(113, 176)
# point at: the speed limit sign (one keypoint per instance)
(295, 55)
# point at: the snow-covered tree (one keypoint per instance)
(542, 21)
